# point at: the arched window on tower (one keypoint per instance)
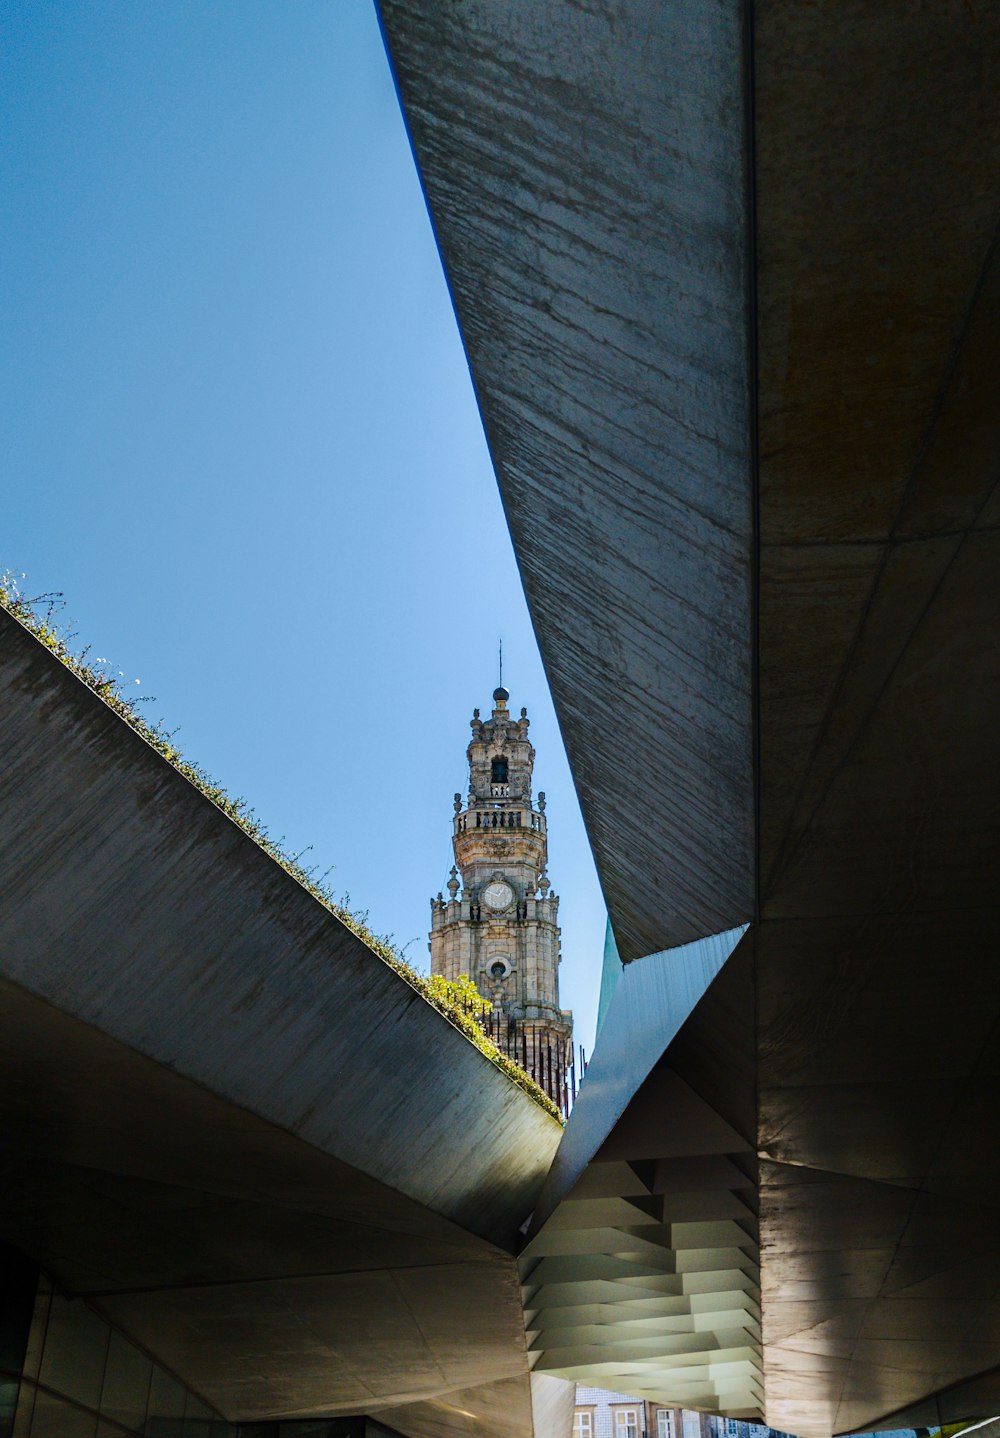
(498, 773)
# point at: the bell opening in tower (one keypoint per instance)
(498, 772)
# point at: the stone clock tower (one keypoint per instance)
(502, 930)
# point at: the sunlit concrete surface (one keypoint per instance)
(225, 1121)
(642, 1272)
(771, 626)
(647, 1008)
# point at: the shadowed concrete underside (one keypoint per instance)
(228, 1123)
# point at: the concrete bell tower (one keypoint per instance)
(502, 930)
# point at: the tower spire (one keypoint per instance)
(500, 695)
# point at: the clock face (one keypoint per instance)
(497, 895)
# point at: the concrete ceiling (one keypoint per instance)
(226, 1122)
(729, 284)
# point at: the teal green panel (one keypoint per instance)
(611, 972)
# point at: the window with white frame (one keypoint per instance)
(626, 1423)
(664, 1423)
(583, 1423)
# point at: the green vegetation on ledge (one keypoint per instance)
(457, 1002)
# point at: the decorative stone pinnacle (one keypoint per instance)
(452, 885)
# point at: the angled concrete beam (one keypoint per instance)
(226, 1122)
(586, 171)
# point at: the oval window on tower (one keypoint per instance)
(499, 970)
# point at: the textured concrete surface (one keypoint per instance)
(650, 1004)
(586, 172)
(878, 159)
(641, 1274)
(225, 1120)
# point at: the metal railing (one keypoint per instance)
(556, 1070)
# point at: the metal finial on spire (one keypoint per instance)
(500, 695)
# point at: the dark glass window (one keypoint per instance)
(97, 1384)
(166, 1406)
(53, 1417)
(76, 1347)
(126, 1383)
(197, 1418)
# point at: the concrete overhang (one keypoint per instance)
(585, 171)
(728, 280)
(642, 1271)
(225, 1121)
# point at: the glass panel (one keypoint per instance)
(197, 1418)
(54, 1418)
(664, 1424)
(126, 1383)
(161, 1427)
(166, 1406)
(36, 1335)
(18, 1295)
(75, 1347)
(32, 1358)
(25, 1404)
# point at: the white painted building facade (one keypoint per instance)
(603, 1414)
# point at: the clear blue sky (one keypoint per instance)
(239, 431)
